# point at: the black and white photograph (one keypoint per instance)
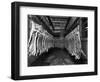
(57, 40)
(53, 40)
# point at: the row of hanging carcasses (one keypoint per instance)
(39, 41)
(73, 43)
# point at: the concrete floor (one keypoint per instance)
(55, 56)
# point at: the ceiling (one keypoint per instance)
(57, 25)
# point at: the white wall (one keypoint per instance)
(5, 40)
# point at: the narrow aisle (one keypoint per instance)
(62, 57)
(55, 56)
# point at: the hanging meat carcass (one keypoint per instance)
(32, 44)
(40, 43)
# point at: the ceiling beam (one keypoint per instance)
(68, 21)
(50, 22)
(45, 26)
(73, 26)
(72, 20)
